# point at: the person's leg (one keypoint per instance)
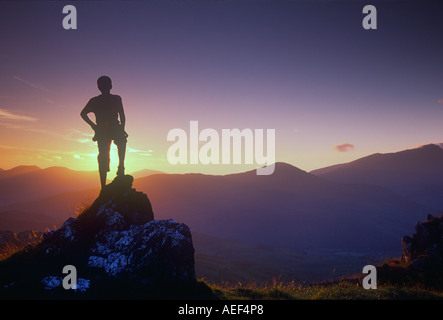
(120, 140)
(121, 147)
(103, 175)
(103, 158)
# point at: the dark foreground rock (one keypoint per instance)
(426, 243)
(118, 251)
(422, 258)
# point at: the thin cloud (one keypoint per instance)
(78, 136)
(344, 147)
(53, 153)
(32, 84)
(10, 125)
(145, 153)
(136, 150)
(440, 101)
(27, 128)
(6, 114)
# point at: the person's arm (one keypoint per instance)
(121, 113)
(84, 115)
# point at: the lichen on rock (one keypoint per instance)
(142, 246)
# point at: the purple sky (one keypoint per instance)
(333, 91)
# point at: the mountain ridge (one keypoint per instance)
(404, 172)
(290, 208)
(43, 182)
(18, 170)
(303, 213)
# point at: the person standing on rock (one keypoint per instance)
(108, 108)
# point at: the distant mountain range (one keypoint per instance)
(291, 208)
(26, 183)
(363, 206)
(35, 198)
(17, 171)
(31, 183)
(415, 173)
(145, 173)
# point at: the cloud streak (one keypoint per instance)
(32, 84)
(344, 147)
(8, 115)
(147, 153)
(78, 136)
(54, 153)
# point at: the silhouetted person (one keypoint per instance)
(107, 108)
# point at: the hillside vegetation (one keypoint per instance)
(343, 290)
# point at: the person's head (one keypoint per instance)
(104, 84)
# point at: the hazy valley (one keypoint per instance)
(292, 224)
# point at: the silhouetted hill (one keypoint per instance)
(145, 173)
(339, 207)
(405, 172)
(39, 183)
(57, 209)
(17, 221)
(291, 208)
(17, 171)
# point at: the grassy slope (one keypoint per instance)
(343, 290)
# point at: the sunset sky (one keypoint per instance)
(333, 91)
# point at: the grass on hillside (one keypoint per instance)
(9, 249)
(343, 290)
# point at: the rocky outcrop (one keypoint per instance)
(426, 243)
(155, 251)
(116, 247)
(422, 258)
